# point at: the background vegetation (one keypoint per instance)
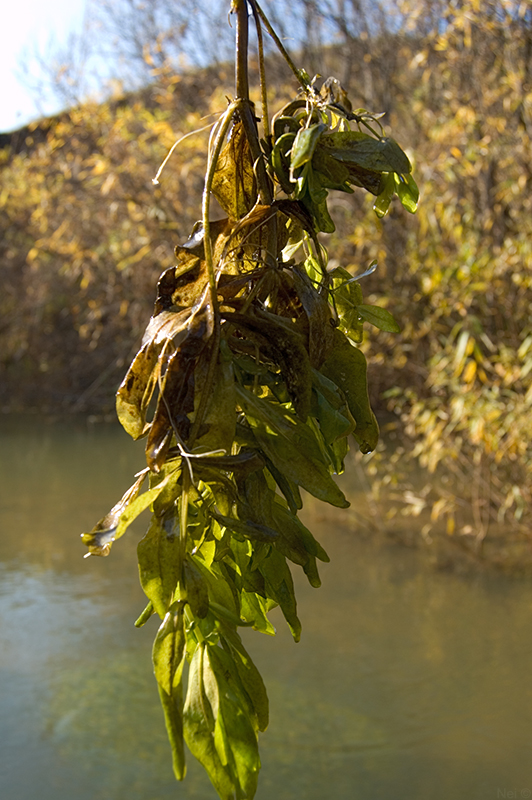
(85, 234)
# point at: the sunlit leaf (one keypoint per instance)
(198, 728)
(304, 145)
(234, 183)
(280, 586)
(346, 366)
(293, 448)
(383, 200)
(347, 296)
(160, 563)
(408, 192)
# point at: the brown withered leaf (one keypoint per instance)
(182, 286)
(234, 184)
(176, 396)
(136, 390)
(100, 539)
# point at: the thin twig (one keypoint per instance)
(280, 45)
(262, 73)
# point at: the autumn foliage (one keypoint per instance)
(85, 234)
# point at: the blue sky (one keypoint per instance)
(26, 24)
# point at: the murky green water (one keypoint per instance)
(407, 684)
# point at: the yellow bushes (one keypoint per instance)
(85, 235)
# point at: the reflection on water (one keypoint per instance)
(407, 684)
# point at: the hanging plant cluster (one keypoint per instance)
(246, 388)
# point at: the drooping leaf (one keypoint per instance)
(330, 409)
(255, 531)
(160, 564)
(292, 449)
(198, 728)
(235, 735)
(173, 717)
(408, 192)
(249, 675)
(331, 173)
(218, 428)
(168, 658)
(380, 155)
(169, 647)
(347, 296)
(221, 591)
(196, 591)
(346, 366)
(104, 533)
(176, 396)
(136, 390)
(304, 146)
(280, 162)
(320, 214)
(384, 198)
(280, 587)
(253, 610)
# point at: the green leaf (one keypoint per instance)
(169, 649)
(291, 446)
(347, 295)
(250, 530)
(383, 200)
(304, 145)
(220, 590)
(253, 609)
(380, 155)
(317, 309)
(408, 192)
(142, 619)
(235, 736)
(346, 366)
(195, 592)
(330, 173)
(159, 560)
(168, 658)
(280, 587)
(249, 676)
(219, 420)
(379, 317)
(320, 213)
(278, 337)
(335, 421)
(173, 717)
(280, 162)
(198, 728)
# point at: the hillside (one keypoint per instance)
(85, 235)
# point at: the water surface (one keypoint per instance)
(408, 684)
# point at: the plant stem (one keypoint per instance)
(249, 122)
(242, 40)
(279, 44)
